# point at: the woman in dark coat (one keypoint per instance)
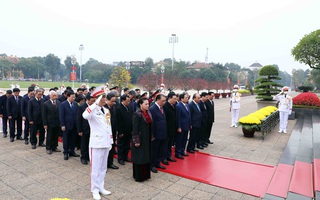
(141, 137)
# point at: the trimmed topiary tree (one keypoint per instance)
(266, 87)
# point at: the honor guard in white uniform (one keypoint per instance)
(235, 106)
(285, 108)
(100, 141)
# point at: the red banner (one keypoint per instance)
(73, 76)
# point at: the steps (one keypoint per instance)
(298, 174)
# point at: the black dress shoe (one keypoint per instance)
(11, 139)
(199, 147)
(154, 170)
(190, 151)
(128, 160)
(26, 142)
(209, 142)
(33, 146)
(42, 145)
(74, 154)
(65, 156)
(56, 150)
(4, 135)
(20, 138)
(172, 159)
(165, 162)
(113, 166)
(84, 162)
(121, 162)
(160, 167)
(179, 157)
(195, 150)
(49, 152)
(184, 154)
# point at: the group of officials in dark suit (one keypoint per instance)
(176, 121)
(181, 123)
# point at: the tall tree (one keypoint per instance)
(307, 51)
(298, 77)
(52, 64)
(148, 62)
(198, 84)
(149, 81)
(120, 77)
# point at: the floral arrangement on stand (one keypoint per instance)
(252, 122)
(306, 100)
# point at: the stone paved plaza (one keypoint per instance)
(33, 174)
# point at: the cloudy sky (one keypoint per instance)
(239, 31)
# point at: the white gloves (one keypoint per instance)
(98, 100)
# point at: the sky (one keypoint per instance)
(238, 31)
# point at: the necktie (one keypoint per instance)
(54, 103)
(161, 109)
(198, 107)
(17, 100)
(102, 110)
(186, 107)
(285, 96)
(71, 106)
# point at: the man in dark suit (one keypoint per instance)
(202, 137)
(63, 96)
(24, 113)
(3, 112)
(171, 116)
(184, 125)
(124, 126)
(110, 105)
(210, 108)
(35, 119)
(196, 122)
(83, 129)
(14, 114)
(160, 133)
(50, 117)
(67, 115)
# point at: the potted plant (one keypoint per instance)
(266, 87)
(249, 125)
(304, 102)
(224, 95)
(216, 95)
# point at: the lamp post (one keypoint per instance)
(73, 62)
(162, 73)
(81, 49)
(173, 39)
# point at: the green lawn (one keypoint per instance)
(43, 84)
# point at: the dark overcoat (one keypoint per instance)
(141, 134)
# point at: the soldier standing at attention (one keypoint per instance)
(235, 106)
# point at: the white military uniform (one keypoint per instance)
(99, 144)
(235, 107)
(285, 108)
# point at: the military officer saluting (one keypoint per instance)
(100, 141)
(285, 108)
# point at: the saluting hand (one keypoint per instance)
(137, 144)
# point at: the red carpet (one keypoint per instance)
(280, 182)
(245, 177)
(301, 182)
(316, 170)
